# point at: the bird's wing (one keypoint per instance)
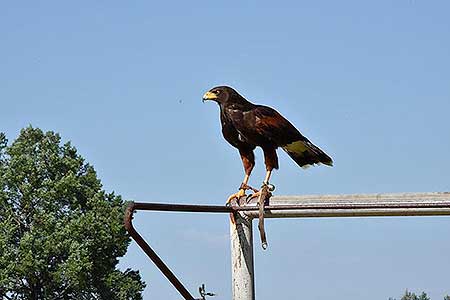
(282, 133)
(274, 126)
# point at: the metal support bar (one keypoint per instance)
(363, 205)
(128, 218)
(242, 270)
(152, 254)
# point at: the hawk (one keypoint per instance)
(246, 126)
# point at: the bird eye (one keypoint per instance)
(217, 92)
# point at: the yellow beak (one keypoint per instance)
(209, 96)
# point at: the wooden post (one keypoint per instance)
(243, 284)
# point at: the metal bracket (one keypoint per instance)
(203, 293)
(152, 254)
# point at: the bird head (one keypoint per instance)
(219, 94)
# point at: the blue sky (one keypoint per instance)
(367, 81)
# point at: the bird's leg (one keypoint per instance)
(270, 187)
(266, 180)
(248, 160)
(241, 191)
(242, 188)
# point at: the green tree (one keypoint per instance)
(412, 296)
(60, 233)
(409, 296)
(424, 296)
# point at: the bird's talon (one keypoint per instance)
(235, 196)
(252, 196)
(240, 194)
(249, 198)
(230, 198)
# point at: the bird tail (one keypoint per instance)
(305, 154)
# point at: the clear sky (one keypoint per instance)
(367, 81)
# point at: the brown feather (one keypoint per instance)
(246, 126)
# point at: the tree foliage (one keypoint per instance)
(60, 233)
(412, 296)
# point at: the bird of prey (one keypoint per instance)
(246, 125)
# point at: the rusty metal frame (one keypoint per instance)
(134, 206)
(297, 206)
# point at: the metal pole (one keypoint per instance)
(356, 205)
(242, 270)
(152, 254)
